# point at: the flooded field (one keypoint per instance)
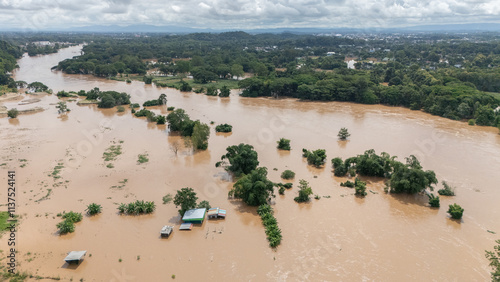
(382, 237)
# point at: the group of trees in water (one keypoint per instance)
(106, 99)
(179, 120)
(8, 56)
(444, 75)
(406, 177)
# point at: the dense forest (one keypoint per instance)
(447, 75)
(8, 56)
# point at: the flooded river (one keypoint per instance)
(382, 237)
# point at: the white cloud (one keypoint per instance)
(39, 14)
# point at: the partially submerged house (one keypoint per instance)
(186, 226)
(216, 213)
(75, 256)
(166, 231)
(194, 215)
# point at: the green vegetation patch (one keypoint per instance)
(270, 223)
(287, 174)
(224, 128)
(316, 158)
(284, 144)
(142, 158)
(112, 153)
(304, 192)
(137, 207)
(4, 224)
(57, 170)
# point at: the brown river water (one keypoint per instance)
(381, 237)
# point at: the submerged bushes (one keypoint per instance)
(68, 225)
(137, 207)
(316, 158)
(271, 224)
(383, 165)
(224, 128)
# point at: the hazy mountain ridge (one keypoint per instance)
(475, 27)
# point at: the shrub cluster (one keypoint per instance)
(224, 128)
(284, 144)
(383, 165)
(271, 224)
(68, 224)
(287, 174)
(304, 192)
(137, 207)
(316, 158)
(447, 190)
(93, 209)
(455, 211)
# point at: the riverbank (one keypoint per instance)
(12, 97)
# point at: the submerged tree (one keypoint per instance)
(93, 209)
(304, 192)
(62, 107)
(12, 113)
(343, 134)
(200, 135)
(185, 198)
(254, 188)
(204, 205)
(494, 258)
(360, 187)
(224, 91)
(162, 100)
(447, 190)
(177, 119)
(242, 159)
(433, 200)
(284, 144)
(316, 158)
(410, 178)
(456, 211)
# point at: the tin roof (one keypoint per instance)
(75, 255)
(194, 215)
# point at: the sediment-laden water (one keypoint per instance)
(382, 237)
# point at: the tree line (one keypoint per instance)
(446, 75)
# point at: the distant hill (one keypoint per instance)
(475, 27)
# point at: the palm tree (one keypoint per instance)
(150, 207)
(122, 208)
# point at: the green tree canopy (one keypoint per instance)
(177, 118)
(185, 198)
(343, 134)
(316, 158)
(199, 138)
(410, 178)
(242, 159)
(494, 258)
(254, 188)
(304, 191)
(284, 144)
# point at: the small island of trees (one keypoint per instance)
(224, 128)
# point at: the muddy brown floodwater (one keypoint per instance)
(382, 237)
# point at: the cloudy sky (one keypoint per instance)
(244, 14)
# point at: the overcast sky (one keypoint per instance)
(244, 14)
